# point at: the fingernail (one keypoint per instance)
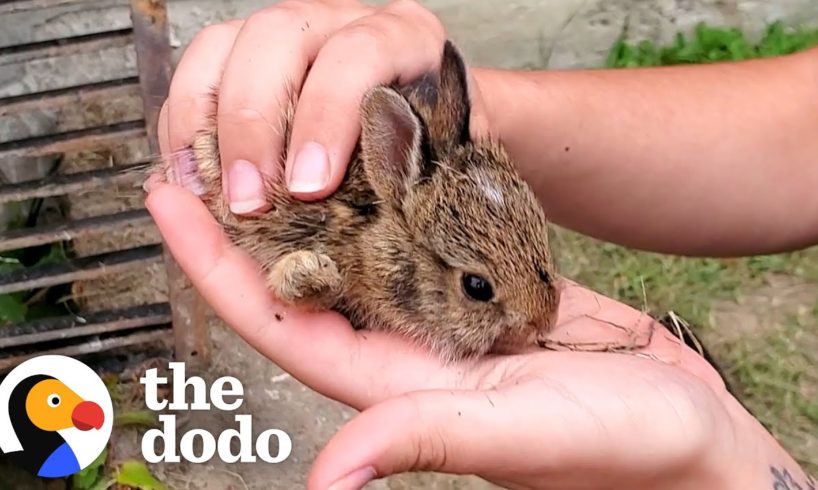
(310, 171)
(245, 188)
(184, 171)
(355, 480)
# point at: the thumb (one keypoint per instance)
(457, 432)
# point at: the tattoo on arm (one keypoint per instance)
(783, 480)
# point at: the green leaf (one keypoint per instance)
(55, 256)
(12, 309)
(87, 478)
(9, 264)
(143, 418)
(18, 211)
(137, 475)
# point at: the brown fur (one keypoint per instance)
(420, 205)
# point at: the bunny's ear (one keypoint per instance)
(442, 99)
(391, 139)
(452, 115)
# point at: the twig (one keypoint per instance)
(680, 325)
(632, 345)
(235, 475)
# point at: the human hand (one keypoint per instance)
(258, 65)
(656, 417)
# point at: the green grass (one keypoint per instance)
(776, 380)
(662, 282)
(775, 368)
(711, 45)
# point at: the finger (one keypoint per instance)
(422, 431)
(162, 130)
(319, 349)
(154, 178)
(454, 432)
(399, 43)
(191, 104)
(263, 74)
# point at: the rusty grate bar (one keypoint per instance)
(151, 39)
(79, 269)
(92, 346)
(60, 185)
(32, 237)
(72, 140)
(70, 326)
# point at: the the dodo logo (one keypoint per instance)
(55, 416)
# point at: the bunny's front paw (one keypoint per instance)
(306, 279)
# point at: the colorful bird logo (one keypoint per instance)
(42, 411)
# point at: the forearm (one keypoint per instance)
(700, 160)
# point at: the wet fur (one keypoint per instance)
(420, 203)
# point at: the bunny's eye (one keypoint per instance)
(477, 288)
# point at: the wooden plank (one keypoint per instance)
(71, 326)
(29, 21)
(92, 347)
(68, 95)
(72, 140)
(70, 109)
(57, 48)
(112, 62)
(63, 184)
(83, 268)
(41, 235)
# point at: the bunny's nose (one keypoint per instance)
(515, 340)
(533, 334)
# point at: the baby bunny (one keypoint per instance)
(431, 234)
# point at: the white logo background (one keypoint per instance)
(87, 445)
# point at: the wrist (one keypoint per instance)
(751, 459)
(770, 466)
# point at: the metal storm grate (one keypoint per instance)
(72, 108)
